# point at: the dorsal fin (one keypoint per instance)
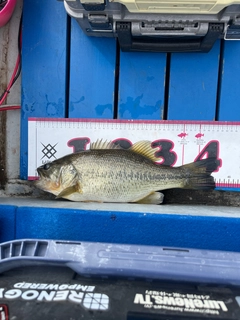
(100, 144)
(144, 148)
(141, 147)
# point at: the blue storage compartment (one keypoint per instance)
(88, 280)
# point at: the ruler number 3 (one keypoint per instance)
(165, 151)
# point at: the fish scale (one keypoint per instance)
(127, 179)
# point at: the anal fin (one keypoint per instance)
(152, 198)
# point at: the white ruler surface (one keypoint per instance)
(176, 142)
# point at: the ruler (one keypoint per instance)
(176, 142)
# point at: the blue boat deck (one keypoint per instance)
(200, 227)
(66, 74)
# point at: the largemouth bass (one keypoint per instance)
(108, 173)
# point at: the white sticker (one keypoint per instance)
(180, 302)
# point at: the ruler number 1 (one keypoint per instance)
(78, 144)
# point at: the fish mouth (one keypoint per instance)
(42, 182)
(40, 178)
(40, 173)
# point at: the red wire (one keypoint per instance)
(9, 108)
(17, 64)
(11, 80)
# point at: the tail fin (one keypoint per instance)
(199, 174)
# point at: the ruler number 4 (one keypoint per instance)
(211, 150)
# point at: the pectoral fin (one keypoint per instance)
(68, 191)
(153, 198)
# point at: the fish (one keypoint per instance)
(199, 135)
(108, 173)
(182, 134)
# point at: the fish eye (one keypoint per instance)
(46, 166)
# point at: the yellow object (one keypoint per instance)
(176, 6)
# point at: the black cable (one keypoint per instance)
(19, 51)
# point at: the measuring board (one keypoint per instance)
(176, 142)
